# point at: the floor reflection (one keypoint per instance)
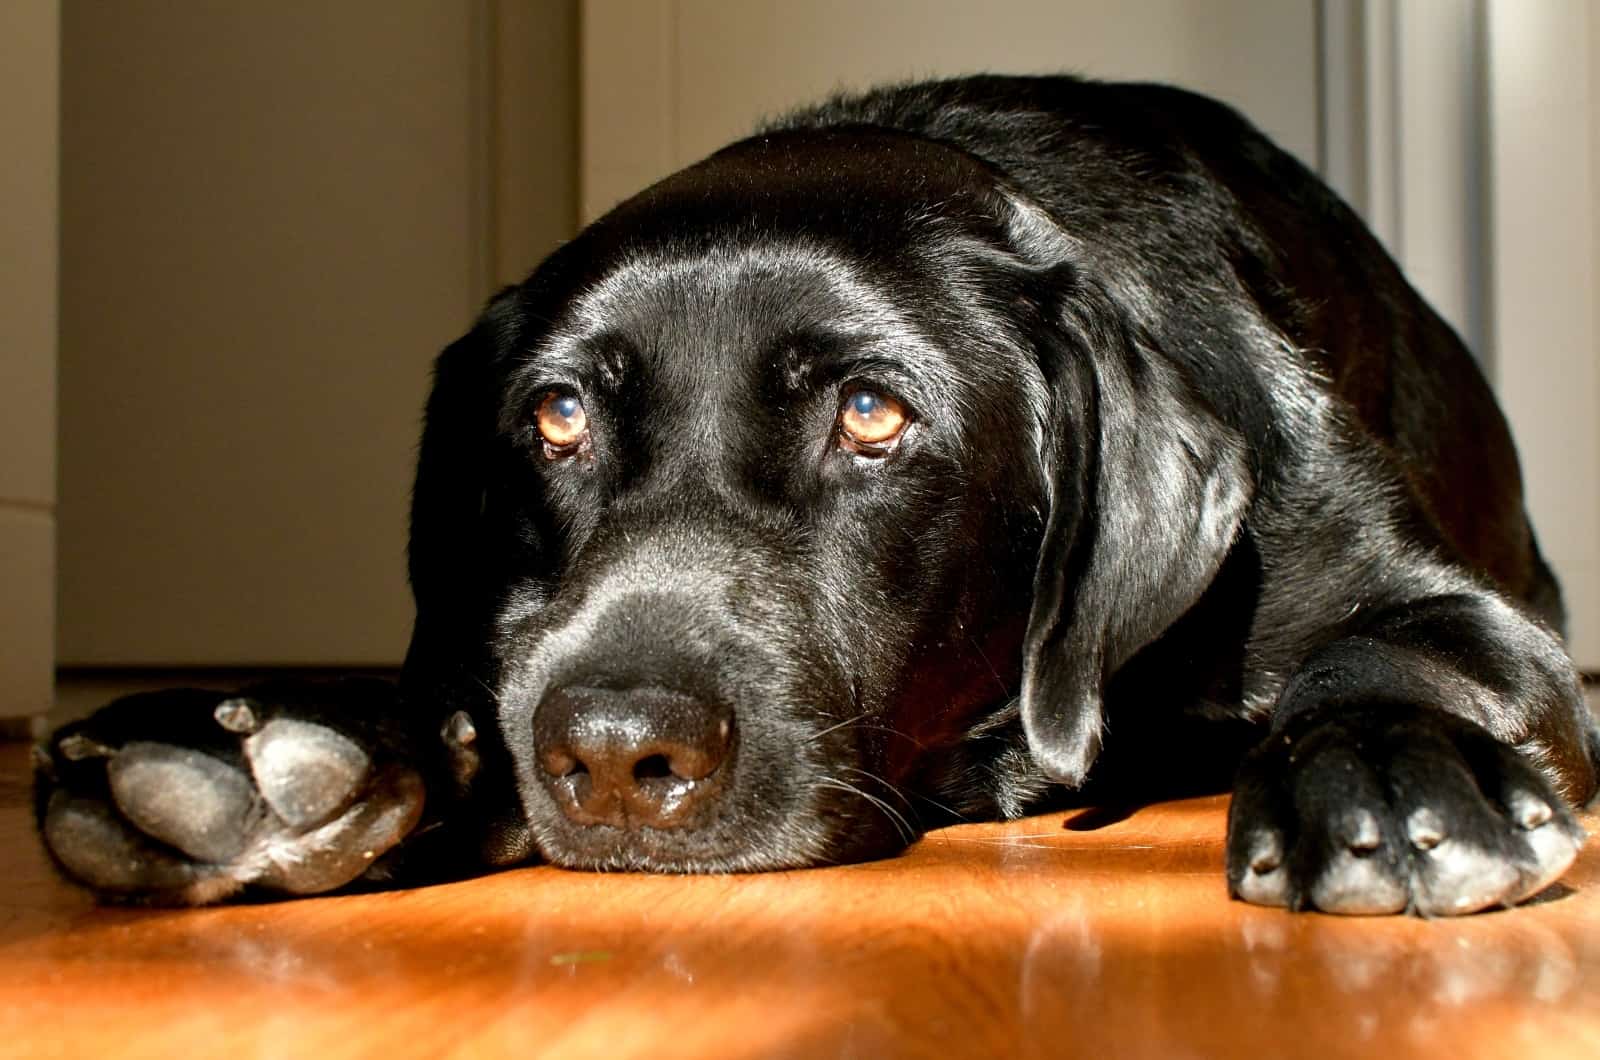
(1028, 939)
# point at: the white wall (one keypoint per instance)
(29, 98)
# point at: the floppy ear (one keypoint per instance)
(450, 579)
(456, 586)
(1147, 489)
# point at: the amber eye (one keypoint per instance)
(562, 423)
(871, 423)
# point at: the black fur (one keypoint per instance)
(1190, 469)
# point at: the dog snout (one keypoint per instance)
(634, 757)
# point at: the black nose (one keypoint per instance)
(631, 757)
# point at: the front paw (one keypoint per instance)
(1392, 809)
(186, 797)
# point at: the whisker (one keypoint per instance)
(936, 804)
(835, 727)
(855, 723)
(494, 695)
(895, 732)
(903, 797)
(998, 680)
(890, 788)
(906, 799)
(901, 825)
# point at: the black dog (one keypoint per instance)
(932, 454)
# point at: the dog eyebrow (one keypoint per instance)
(809, 351)
(554, 363)
(809, 358)
(562, 358)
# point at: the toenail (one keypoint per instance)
(77, 747)
(1424, 828)
(1362, 833)
(237, 715)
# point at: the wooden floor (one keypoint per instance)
(1029, 939)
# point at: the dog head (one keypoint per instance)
(815, 489)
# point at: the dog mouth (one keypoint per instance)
(842, 827)
(762, 808)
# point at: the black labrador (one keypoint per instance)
(937, 453)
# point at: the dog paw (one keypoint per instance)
(186, 797)
(1392, 810)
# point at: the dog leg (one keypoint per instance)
(1422, 763)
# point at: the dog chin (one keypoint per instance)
(603, 848)
(805, 840)
(630, 856)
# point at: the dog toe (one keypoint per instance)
(185, 798)
(306, 772)
(342, 849)
(1395, 810)
(94, 845)
(1261, 877)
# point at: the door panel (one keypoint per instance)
(29, 119)
(271, 222)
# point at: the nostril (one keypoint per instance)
(653, 767)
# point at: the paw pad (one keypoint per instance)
(185, 798)
(307, 773)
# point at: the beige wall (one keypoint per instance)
(274, 214)
(665, 81)
(535, 135)
(273, 217)
(1545, 281)
(29, 54)
(668, 81)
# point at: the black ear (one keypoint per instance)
(447, 557)
(1148, 489)
(456, 544)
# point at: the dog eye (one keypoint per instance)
(871, 423)
(562, 423)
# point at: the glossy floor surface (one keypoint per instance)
(1055, 936)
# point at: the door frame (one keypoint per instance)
(1463, 131)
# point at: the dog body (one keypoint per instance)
(934, 454)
